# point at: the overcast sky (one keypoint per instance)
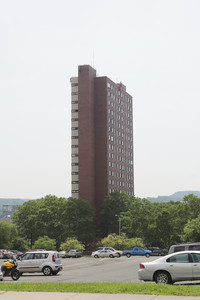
(151, 46)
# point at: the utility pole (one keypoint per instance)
(119, 220)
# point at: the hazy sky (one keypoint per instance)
(152, 46)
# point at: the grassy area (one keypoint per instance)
(104, 288)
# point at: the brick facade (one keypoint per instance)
(102, 137)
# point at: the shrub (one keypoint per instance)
(45, 243)
(72, 243)
(121, 242)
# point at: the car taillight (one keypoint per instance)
(53, 258)
(142, 266)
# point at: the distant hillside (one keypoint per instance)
(178, 196)
(9, 206)
(11, 201)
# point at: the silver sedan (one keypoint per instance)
(105, 253)
(179, 266)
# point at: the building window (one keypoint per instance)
(75, 155)
(74, 119)
(74, 164)
(74, 173)
(74, 146)
(75, 84)
(74, 101)
(74, 137)
(74, 93)
(74, 110)
(74, 182)
(75, 191)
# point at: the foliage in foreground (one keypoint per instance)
(104, 288)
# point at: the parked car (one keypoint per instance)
(16, 253)
(112, 249)
(157, 251)
(137, 251)
(104, 253)
(179, 266)
(74, 253)
(62, 254)
(4, 254)
(47, 262)
(184, 247)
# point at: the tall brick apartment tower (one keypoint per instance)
(102, 137)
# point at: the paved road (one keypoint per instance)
(89, 269)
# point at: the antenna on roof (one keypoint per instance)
(93, 59)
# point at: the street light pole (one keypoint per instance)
(119, 220)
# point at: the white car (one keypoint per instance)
(62, 254)
(179, 266)
(47, 262)
(74, 253)
(112, 249)
(104, 253)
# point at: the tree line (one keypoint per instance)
(139, 220)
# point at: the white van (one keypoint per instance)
(184, 247)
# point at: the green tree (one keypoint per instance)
(8, 233)
(112, 207)
(26, 219)
(52, 218)
(166, 223)
(136, 219)
(45, 243)
(72, 243)
(179, 217)
(20, 244)
(80, 220)
(45, 216)
(192, 231)
(193, 205)
(160, 230)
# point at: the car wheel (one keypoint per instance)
(111, 256)
(96, 256)
(47, 271)
(162, 277)
(147, 254)
(118, 254)
(128, 255)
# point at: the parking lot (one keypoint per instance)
(88, 269)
